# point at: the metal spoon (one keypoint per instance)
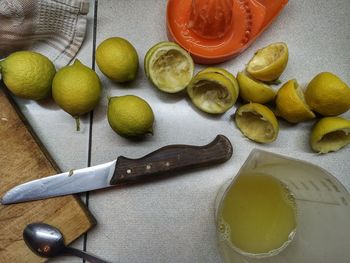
(47, 241)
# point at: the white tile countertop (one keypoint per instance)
(172, 220)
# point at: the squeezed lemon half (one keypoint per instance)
(269, 62)
(257, 122)
(330, 134)
(328, 95)
(213, 90)
(254, 91)
(169, 67)
(291, 105)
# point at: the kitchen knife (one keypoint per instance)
(122, 171)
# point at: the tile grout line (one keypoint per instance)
(92, 113)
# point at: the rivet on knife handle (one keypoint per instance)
(171, 158)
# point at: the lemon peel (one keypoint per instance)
(269, 62)
(291, 105)
(330, 134)
(257, 122)
(327, 94)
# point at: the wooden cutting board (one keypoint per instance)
(23, 158)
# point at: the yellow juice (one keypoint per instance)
(257, 215)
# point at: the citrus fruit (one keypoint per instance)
(76, 89)
(269, 62)
(130, 116)
(169, 67)
(290, 103)
(117, 59)
(257, 122)
(254, 91)
(330, 134)
(328, 95)
(213, 90)
(28, 74)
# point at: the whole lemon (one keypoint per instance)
(76, 89)
(328, 95)
(117, 59)
(28, 74)
(130, 116)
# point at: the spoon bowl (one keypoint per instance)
(47, 241)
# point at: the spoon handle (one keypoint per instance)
(84, 255)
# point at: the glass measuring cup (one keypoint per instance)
(322, 231)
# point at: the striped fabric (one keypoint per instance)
(55, 28)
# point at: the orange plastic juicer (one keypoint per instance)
(214, 31)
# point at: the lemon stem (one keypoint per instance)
(77, 122)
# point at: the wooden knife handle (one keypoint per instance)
(171, 158)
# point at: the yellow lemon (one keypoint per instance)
(76, 89)
(330, 134)
(28, 74)
(117, 58)
(269, 62)
(254, 91)
(213, 90)
(130, 116)
(169, 67)
(257, 122)
(291, 105)
(328, 95)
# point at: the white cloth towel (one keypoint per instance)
(54, 28)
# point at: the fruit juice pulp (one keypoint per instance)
(257, 215)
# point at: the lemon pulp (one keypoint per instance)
(257, 215)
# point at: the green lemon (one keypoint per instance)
(28, 74)
(169, 67)
(130, 116)
(213, 90)
(76, 89)
(117, 58)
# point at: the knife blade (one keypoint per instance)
(123, 170)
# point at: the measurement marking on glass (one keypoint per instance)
(319, 202)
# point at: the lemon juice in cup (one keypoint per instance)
(282, 210)
(257, 216)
